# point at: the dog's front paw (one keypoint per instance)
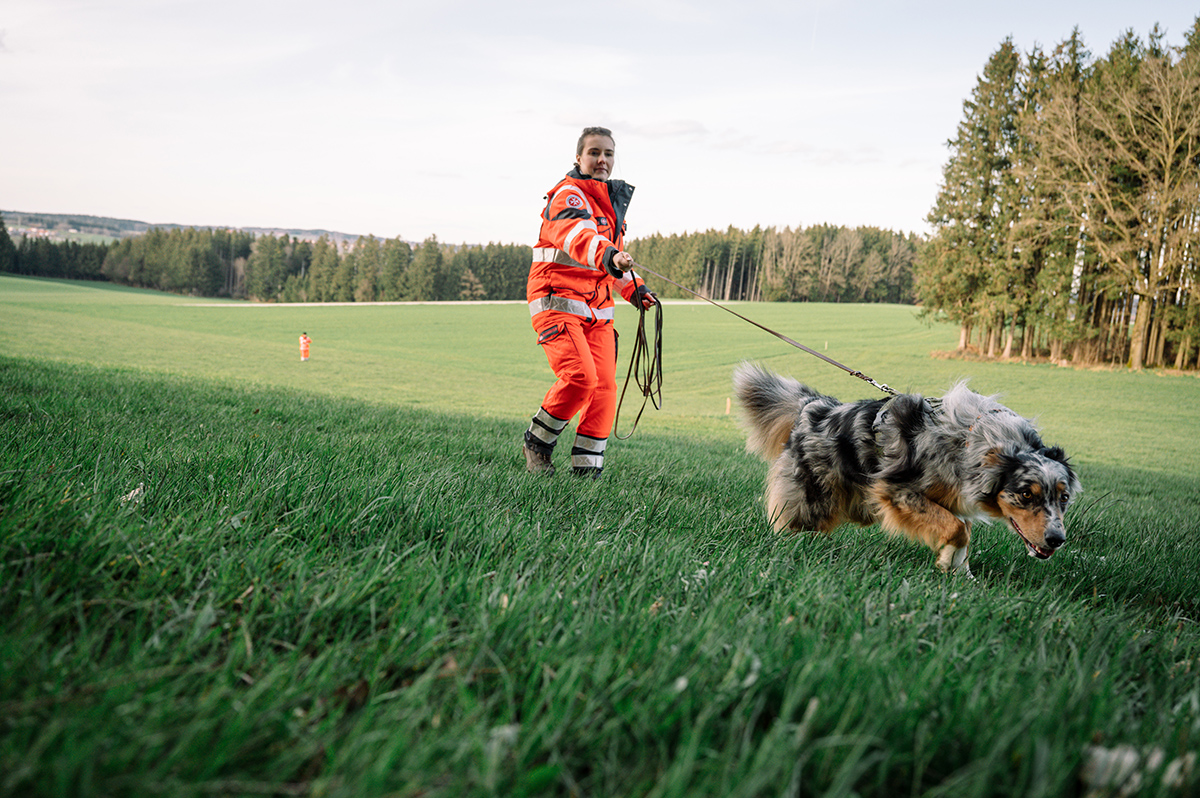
(953, 560)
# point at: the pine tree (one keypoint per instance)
(1045, 236)
(265, 269)
(396, 256)
(421, 279)
(470, 288)
(8, 250)
(345, 278)
(321, 272)
(968, 264)
(367, 258)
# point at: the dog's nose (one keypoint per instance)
(1054, 539)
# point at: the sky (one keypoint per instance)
(453, 118)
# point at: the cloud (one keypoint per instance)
(825, 155)
(669, 129)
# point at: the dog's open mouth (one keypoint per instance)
(1033, 549)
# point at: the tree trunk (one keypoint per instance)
(1119, 335)
(1160, 345)
(964, 337)
(1102, 324)
(1141, 329)
(1152, 339)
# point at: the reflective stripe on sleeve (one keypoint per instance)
(583, 224)
(552, 255)
(596, 251)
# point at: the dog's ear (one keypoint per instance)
(1056, 453)
(1001, 458)
(998, 464)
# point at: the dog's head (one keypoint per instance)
(1035, 489)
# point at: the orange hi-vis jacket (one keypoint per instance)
(583, 227)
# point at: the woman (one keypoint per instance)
(577, 262)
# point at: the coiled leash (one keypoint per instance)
(852, 372)
(645, 365)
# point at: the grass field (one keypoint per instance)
(224, 572)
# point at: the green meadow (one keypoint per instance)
(227, 572)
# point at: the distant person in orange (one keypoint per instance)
(305, 343)
(579, 262)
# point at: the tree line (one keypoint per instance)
(1067, 223)
(280, 268)
(41, 257)
(821, 264)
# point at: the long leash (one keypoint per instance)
(645, 365)
(852, 372)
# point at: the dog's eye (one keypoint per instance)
(1064, 499)
(1027, 494)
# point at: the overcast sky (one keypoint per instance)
(453, 117)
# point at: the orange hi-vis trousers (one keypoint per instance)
(583, 355)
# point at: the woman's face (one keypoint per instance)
(597, 157)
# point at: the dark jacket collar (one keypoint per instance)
(619, 194)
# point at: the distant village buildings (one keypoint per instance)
(17, 233)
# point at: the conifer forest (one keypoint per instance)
(1067, 219)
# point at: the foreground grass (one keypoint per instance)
(209, 589)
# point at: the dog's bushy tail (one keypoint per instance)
(771, 405)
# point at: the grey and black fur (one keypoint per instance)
(926, 468)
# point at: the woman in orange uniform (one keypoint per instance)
(577, 263)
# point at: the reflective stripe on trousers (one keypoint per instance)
(545, 427)
(588, 452)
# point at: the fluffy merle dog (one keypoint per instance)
(926, 468)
